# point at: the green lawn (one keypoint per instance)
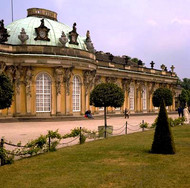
(116, 162)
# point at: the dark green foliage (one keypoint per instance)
(172, 122)
(162, 94)
(163, 140)
(7, 158)
(185, 83)
(107, 94)
(6, 92)
(184, 97)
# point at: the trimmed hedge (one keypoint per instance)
(162, 94)
(163, 140)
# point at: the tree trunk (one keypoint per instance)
(105, 122)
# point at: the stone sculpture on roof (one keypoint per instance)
(73, 35)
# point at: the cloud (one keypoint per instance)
(59, 3)
(152, 22)
(181, 21)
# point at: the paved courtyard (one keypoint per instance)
(25, 131)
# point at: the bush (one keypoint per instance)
(172, 122)
(6, 92)
(163, 140)
(144, 125)
(162, 94)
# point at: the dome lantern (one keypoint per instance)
(42, 13)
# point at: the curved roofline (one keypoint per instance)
(42, 13)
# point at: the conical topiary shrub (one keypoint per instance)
(163, 140)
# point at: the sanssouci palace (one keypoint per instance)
(54, 69)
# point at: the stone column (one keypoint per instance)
(10, 73)
(66, 79)
(138, 98)
(96, 82)
(18, 75)
(126, 87)
(58, 74)
(149, 99)
(28, 83)
(173, 106)
(88, 81)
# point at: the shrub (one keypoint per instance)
(6, 92)
(172, 122)
(162, 94)
(144, 125)
(163, 140)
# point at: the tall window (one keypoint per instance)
(76, 94)
(144, 98)
(131, 98)
(43, 93)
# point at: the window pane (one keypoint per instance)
(43, 93)
(76, 94)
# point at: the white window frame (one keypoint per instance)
(43, 93)
(132, 98)
(76, 80)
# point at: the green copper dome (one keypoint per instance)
(30, 23)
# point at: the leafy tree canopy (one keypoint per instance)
(162, 94)
(185, 83)
(6, 92)
(107, 94)
(184, 97)
(185, 94)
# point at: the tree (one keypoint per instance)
(6, 92)
(163, 140)
(107, 94)
(162, 94)
(184, 97)
(185, 83)
(185, 94)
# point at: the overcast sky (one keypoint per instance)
(157, 30)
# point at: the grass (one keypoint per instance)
(116, 162)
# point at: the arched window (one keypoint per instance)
(144, 98)
(131, 98)
(76, 94)
(43, 93)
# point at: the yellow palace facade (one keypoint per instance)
(54, 69)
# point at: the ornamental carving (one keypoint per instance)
(3, 32)
(58, 73)
(172, 68)
(19, 71)
(163, 67)
(63, 39)
(97, 80)
(139, 86)
(89, 43)
(42, 32)
(73, 35)
(23, 37)
(66, 79)
(2, 66)
(111, 80)
(151, 88)
(28, 80)
(88, 79)
(10, 70)
(126, 84)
